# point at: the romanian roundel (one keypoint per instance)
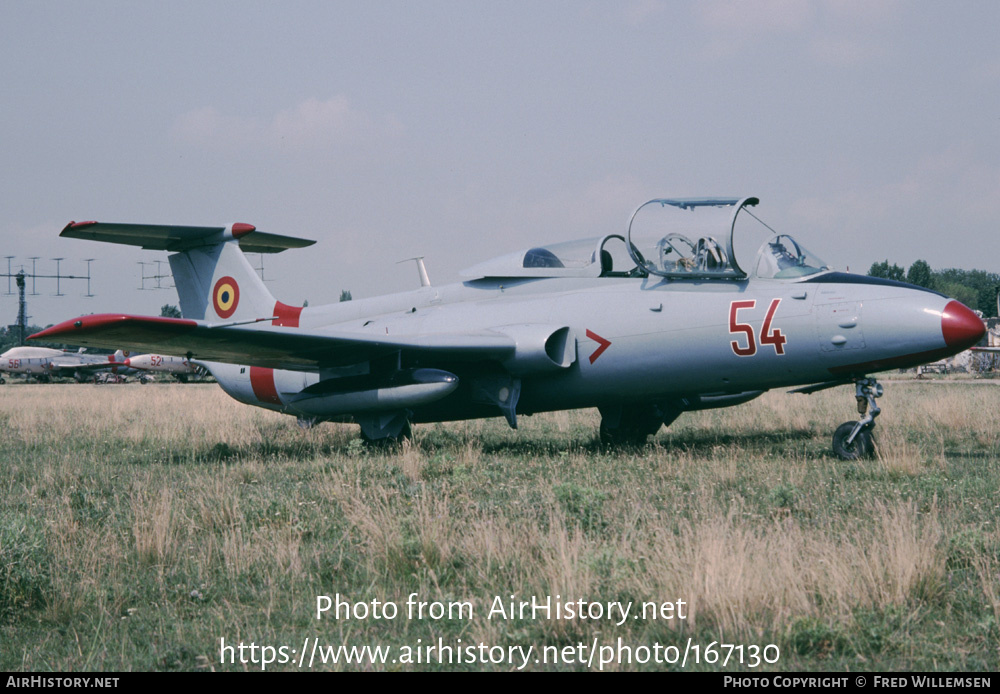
(226, 296)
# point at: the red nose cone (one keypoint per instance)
(128, 362)
(961, 327)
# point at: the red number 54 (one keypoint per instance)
(767, 335)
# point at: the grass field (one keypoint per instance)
(139, 525)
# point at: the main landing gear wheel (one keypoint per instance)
(626, 436)
(405, 434)
(863, 445)
(629, 426)
(383, 429)
(854, 440)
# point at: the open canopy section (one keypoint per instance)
(686, 237)
(698, 238)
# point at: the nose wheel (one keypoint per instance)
(853, 440)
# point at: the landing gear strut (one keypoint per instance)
(632, 425)
(405, 434)
(385, 428)
(853, 440)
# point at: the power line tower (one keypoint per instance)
(22, 318)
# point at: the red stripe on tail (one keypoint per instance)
(286, 315)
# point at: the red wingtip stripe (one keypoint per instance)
(241, 229)
(104, 320)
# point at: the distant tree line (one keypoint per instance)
(975, 288)
(8, 338)
(170, 311)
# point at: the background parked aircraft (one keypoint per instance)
(44, 362)
(178, 367)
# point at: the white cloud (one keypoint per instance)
(757, 19)
(862, 13)
(843, 32)
(311, 124)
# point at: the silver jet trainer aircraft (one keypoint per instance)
(44, 363)
(178, 367)
(686, 311)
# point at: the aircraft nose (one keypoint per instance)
(960, 326)
(128, 362)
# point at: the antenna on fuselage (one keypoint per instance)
(421, 270)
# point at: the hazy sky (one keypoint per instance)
(463, 130)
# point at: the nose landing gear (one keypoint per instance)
(853, 440)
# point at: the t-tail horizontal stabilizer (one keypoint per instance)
(214, 280)
(164, 237)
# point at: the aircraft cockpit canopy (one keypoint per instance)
(680, 238)
(782, 257)
(687, 238)
(606, 256)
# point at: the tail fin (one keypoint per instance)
(217, 283)
(214, 280)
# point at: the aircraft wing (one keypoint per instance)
(75, 365)
(267, 346)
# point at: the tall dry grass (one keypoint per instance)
(173, 516)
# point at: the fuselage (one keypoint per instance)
(45, 361)
(161, 363)
(635, 340)
(28, 360)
